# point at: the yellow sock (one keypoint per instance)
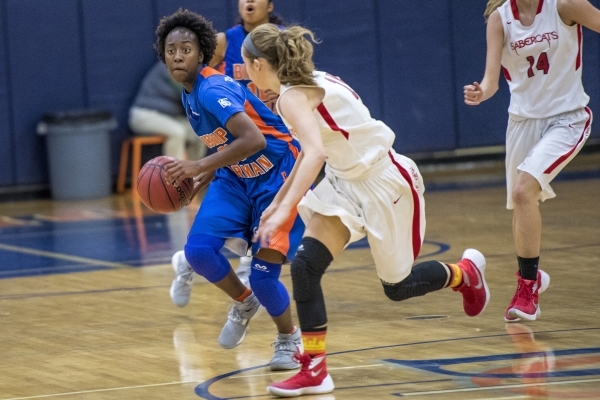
(457, 277)
(314, 342)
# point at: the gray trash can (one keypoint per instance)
(78, 143)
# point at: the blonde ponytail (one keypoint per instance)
(289, 51)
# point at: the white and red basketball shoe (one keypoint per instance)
(474, 289)
(525, 302)
(312, 378)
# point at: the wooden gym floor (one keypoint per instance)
(85, 310)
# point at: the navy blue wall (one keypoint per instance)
(408, 60)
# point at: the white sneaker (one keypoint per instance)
(286, 346)
(181, 288)
(240, 313)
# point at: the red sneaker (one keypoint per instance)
(474, 289)
(312, 378)
(525, 302)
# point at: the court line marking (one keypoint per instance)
(505, 398)
(49, 254)
(295, 372)
(100, 390)
(486, 388)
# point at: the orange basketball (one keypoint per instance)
(159, 195)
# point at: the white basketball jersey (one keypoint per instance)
(353, 140)
(541, 62)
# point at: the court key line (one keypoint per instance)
(90, 261)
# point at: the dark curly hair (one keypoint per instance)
(205, 33)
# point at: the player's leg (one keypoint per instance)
(213, 219)
(537, 150)
(274, 297)
(324, 238)
(333, 222)
(225, 212)
(266, 268)
(203, 252)
(395, 224)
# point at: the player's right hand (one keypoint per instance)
(473, 94)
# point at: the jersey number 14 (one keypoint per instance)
(542, 64)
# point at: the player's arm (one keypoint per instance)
(579, 12)
(219, 50)
(297, 105)
(249, 140)
(231, 113)
(479, 92)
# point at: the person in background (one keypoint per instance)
(157, 110)
(251, 153)
(368, 190)
(228, 58)
(537, 45)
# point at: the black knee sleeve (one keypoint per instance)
(309, 265)
(425, 277)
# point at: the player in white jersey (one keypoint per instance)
(368, 190)
(537, 45)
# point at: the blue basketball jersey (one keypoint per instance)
(237, 197)
(213, 100)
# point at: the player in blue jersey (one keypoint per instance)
(228, 58)
(251, 153)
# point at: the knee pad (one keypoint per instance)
(203, 254)
(425, 277)
(308, 267)
(264, 280)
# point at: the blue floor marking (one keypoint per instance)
(202, 390)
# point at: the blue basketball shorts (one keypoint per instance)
(232, 207)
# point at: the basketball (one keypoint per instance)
(159, 195)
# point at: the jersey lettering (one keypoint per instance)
(239, 72)
(216, 138)
(543, 37)
(253, 169)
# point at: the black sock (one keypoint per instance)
(528, 267)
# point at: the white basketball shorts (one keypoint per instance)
(387, 206)
(543, 147)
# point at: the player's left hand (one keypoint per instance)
(202, 181)
(178, 170)
(270, 220)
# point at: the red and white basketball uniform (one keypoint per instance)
(372, 189)
(548, 118)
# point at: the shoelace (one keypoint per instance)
(524, 295)
(186, 277)
(303, 359)
(288, 345)
(234, 314)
